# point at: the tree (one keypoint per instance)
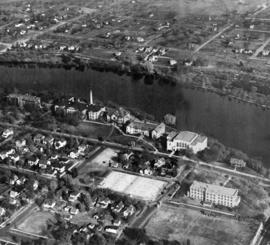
(53, 185)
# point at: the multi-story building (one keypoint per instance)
(142, 128)
(24, 99)
(186, 140)
(215, 194)
(159, 131)
(95, 111)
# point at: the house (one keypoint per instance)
(111, 229)
(215, 194)
(21, 181)
(60, 144)
(104, 203)
(118, 208)
(39, 138)
(4, 155)
(59, 169)
(146, 171)
(186, 140)
(74, 197)
(15, 158)
(117, 222)
(172, 62)
(42, 164)
(159, 131)
(2, 211)
(119, 116)
(35, 185)
(20, 143)
(129, 211)
(74, 155)
(13, 194)
(13, 201)
(33, 160)
(48, 205)
(82, 148)
(160, 162)
(13, 180)
(237, 163)
(73, 211)
(7, 133)
(142, 128)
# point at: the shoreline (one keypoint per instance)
(136, 71)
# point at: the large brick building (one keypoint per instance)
(215, 194)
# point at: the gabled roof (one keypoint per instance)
(141, 125)
(160, 127)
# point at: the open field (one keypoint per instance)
(89, 129)
(99, 162)
(181, 224)
(105, 157)
(36, 223)
(135, 186)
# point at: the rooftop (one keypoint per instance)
(186, 136)
(160, 127)
(199, 139)
(141, 125)
(94, 108)
(171, 135)
(215, 189)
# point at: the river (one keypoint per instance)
(239, 125)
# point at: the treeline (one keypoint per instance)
(135, 236)
(218, 152)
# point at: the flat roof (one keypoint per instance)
(186, 136)
(214, 189)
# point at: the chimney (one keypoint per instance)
(91, 98)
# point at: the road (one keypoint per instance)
(260, 49)
(120, 146)
(213, 38)
(19, 214)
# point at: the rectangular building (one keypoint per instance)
(159, 131)
(24, 99)
(186, 140)
(215, 194)
(140, 128)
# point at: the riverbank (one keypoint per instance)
(234, 124)
(136, 71)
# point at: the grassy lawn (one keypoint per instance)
(254, 198)
(207, 176)
(36, 222)
(100, 161)
(98, 166)
(181, 224)
(88, 129)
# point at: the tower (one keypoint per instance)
(91, 98)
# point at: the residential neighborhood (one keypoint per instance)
(94, 185)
